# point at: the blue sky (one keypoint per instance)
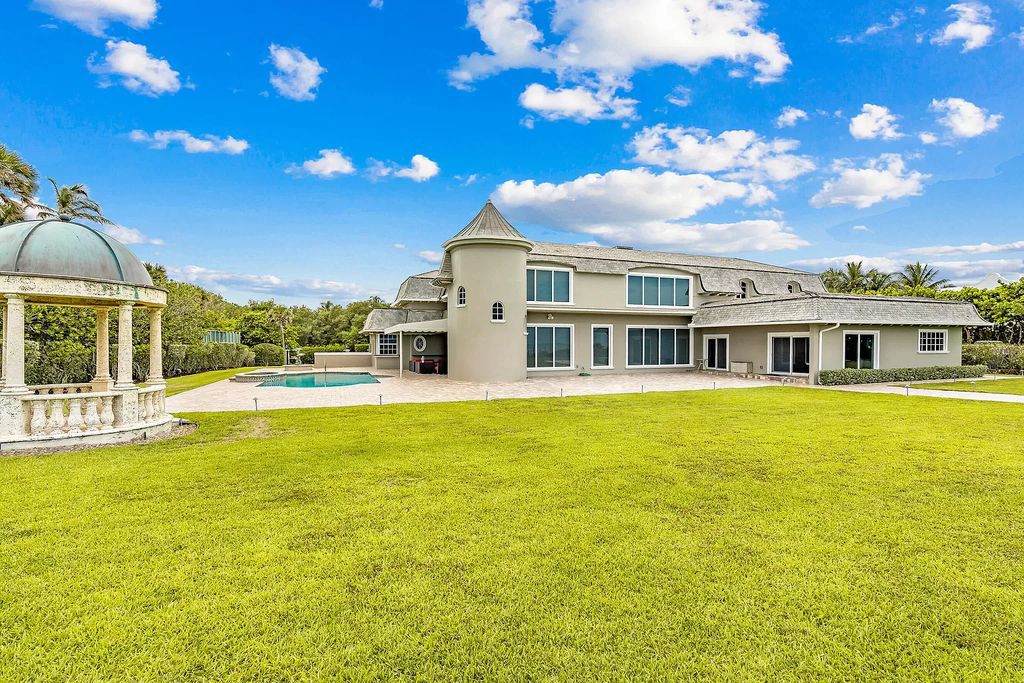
(316, 151)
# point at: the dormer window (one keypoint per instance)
(793, 287)
(497, 312)
(744, 290)
(460, 298)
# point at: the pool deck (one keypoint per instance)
(413, 388)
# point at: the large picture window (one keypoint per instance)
(657, 346)
(860, 350)
(658, 290)
(790, 354)
(601, 348)
(548, 285)
(387, 344)
(548, 346)
(931, 341)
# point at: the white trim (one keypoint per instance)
(387, 355)
(461, 293)
(674, 309)
(659, 327)
(790, 335)
(572, 294)
(500, 309)
(611, 346)
(416, 339)
(875, 362)
(945, 340)
(572, 347)
(728, 350)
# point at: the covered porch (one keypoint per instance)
(422, 346)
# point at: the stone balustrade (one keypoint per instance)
(56, 412)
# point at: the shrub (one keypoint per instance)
(362, 348)
(996, 356)
(268, 354)
(852, 376)
(188, 359)
(58, 362)
(307, 353)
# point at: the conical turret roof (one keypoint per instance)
(489, 224)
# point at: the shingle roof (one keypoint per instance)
(382, 318)
(837, 308)
(489, 224)
(419, 288)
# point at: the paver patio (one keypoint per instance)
(412, 388)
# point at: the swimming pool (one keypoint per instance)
(308, 380)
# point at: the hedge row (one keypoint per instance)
(995, 356)
(851, 376)
(268, 354)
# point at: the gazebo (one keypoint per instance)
(57, 262)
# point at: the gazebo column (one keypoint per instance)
(124, 347)
(156, 349)
(3, 349)
(102, 381)
(14, 345)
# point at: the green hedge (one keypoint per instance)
(996, 356)
(307, 352)
(850, 376)
(268, 354)
(362, 347)
(188, 359)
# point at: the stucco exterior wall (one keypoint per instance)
(750, 344)
(342, 359)
(897, 347)
(480, 350)
(436, 346)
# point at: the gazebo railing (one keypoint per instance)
(72, 413)
(82, 388)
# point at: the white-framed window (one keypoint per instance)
(497, 312)
(663, 291)
(460, 297)
(716, 351)
(653, 347)
(789, 354)
(387, 344)
(601, 346)
(932, 341)
(549, 347)
(860, 349)
(549, 285)
(419, 343)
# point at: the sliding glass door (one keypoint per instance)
(790, 354)
(717, 352)
(859, 350)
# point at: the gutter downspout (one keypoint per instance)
(401, 367)
(821, 342)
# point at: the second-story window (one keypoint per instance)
(460, 297)
(658, 290)
(548, 285)
(744, 290)
(497, 312)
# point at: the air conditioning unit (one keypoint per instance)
(742, 368)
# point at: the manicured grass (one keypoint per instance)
(176, 385)
(766, 534)
(987, 386)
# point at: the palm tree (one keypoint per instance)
(17, 177)
(876, 280)
(831, 278)
(74, 201)
(11, 211)
(920, 276)
(282, 317)
(850, 278)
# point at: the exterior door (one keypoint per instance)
(790, 355)
(717, 353)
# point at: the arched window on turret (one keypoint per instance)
(460, 298)
(497, 312)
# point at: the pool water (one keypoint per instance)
(307, 380)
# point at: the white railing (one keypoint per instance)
(57, 413)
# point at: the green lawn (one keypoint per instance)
(988, 386)
(176, 385)
(766, 534)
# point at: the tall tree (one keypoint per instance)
(850, 278)
(18, 180)
(11, 211)
(876, 280)
(74, 201)
(920, 275)
(282, 318)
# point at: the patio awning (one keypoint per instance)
(422, 327)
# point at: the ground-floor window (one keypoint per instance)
(716, 349)
(387, 344)
(548, 346)
(790, 354)
(657, 346)
(860, 350)
(601, 347)
(931, 341)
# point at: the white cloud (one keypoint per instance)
(743, 153)
(95, 15)
(431, 256)
(377, 4)
(398, 245)
(891, 264)
(895, 20)
(640, 207)
(297, 76)
(874, 121)
(221, 280)
(880, 179)
(612, 39)
(928, 138)
(205, 144)
(136, 69)
(882, 263)
(420, 170)
(980, 267)
(964, 119)
(680, 96)
(468, 180)
(979, 248)
(789, 117)
(973, 25)
(580, 103)
(329, 164)
(860, 228)
(127, 235)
